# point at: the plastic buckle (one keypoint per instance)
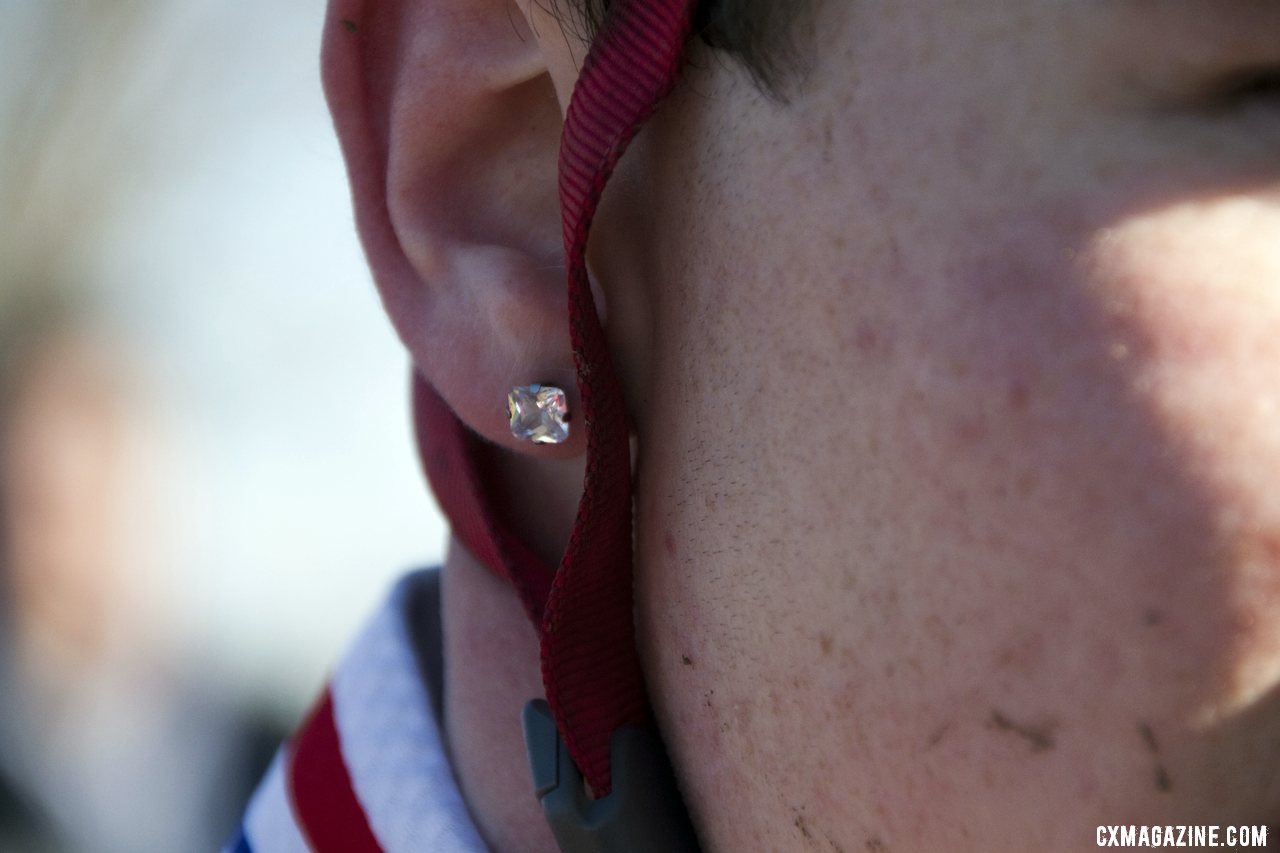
(643, 812)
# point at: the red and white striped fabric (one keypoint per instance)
(368, 770)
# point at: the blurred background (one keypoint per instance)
(206, 471)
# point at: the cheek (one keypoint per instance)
(1112, 401)
(1082, 526)
(1196, 291)
(1046, 526)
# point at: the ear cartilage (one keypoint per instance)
(539, 413)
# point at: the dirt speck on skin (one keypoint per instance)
(1162, 780)
(686, 660)
(1148, 738)
(1039, 736)
(350, 25)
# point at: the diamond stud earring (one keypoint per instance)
(539, 413)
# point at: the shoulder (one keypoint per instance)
(368, 770)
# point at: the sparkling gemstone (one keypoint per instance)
(539, 413)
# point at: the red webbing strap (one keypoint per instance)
(590, 665)
(458, 463)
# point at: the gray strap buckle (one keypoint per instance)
(643, 812)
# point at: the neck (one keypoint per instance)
(491, 669)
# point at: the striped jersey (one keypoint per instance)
(368, 771)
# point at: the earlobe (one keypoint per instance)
(450, 127)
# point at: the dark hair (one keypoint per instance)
(758, 34)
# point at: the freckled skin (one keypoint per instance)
(956, 404)
(957, 424)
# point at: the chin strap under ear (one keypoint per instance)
(595, 729)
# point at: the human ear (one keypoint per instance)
(450, 125)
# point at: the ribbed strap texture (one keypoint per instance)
(590, 665)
